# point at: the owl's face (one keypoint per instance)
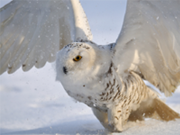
(75, 61)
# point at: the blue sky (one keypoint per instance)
(3, 2)
(105, 18)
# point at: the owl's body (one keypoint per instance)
(95, 81)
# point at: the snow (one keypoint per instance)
(34, 103)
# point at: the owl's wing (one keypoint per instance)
(31, 32)
(149, 42)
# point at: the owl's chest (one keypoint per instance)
(86, 91)
(99, 92)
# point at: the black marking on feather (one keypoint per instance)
(110, 70)
(65, 70)
(86, 41)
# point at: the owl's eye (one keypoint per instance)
(77, 58)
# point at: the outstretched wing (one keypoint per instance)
(149, 42)
(32, 31)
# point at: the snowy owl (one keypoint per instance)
(107, 78)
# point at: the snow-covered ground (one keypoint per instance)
(34, 103)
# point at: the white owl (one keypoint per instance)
(108, 78)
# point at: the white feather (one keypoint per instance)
(31, 32)
(151, 31)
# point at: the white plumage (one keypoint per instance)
(32, 32)
(107, 78)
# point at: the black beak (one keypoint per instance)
(65, 70)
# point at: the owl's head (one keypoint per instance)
(76, 60)
(75, 57)
(81, 63)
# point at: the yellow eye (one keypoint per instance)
(77, 58)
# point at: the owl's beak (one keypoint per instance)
(65, 70)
